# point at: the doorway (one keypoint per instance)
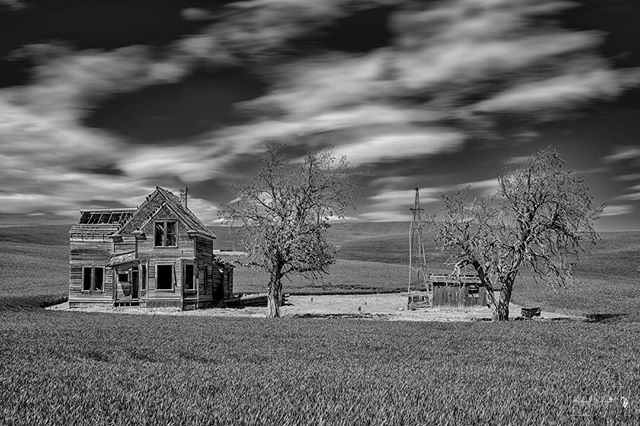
(135, 283)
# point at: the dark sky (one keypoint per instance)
(100, 101)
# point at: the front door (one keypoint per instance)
(134, 284)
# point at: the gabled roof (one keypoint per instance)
(167, 199)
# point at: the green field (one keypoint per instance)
(81, 368)
(84, 368)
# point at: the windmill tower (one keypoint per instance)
(420, 290)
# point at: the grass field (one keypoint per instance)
(84, 368)
(62, 368)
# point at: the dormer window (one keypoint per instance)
(165, 234)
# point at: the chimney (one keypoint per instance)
(183, 196)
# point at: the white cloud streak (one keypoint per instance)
(622, 153)
(565, 90)
(617, 210)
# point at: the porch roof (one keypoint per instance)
(126, 258)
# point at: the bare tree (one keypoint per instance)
(284, 212)
(540, 217)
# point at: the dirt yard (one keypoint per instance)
(390, 307)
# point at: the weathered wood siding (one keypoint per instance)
(458, 295)
(149, 254)
(227, 283)
(204, 265)
(89, 253)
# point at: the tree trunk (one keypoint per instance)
(274, 295)
(502, 312)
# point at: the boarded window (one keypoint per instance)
(164, 277)
(98, 278)
(86, 279)
(188, 277)
(165, 234)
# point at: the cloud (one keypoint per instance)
(385, 216)
(632, 195)
(632, 176)
(405, 196)
(196, 14)
(392, 204)
(566, 90)
(621, 153)
(393, 147)
(189, 162)
(618, 210)
(44, 147)
(449, 65)
(206, 211)
(13, 4)
(317, 85)
(445, 56)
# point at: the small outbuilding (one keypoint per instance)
(158, 254)
(458, 290)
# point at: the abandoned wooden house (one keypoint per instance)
(457, 290)
(157, 255)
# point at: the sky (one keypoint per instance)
(100, 101)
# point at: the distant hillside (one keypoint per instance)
(34, 261)
(37, 234)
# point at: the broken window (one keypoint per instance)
(104, 217)
(86, 279)
(143, 282)
(188, 277)
(164, 277)
(92, 279)
(98, 275)
(85, 217)
(171, 233)
(165, 234)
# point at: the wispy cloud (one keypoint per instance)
(445, 56)
(621, 153)
(196, 14)
(13, 4)
(395, 146)
(617, 210)
(565, 90)
(633, 194)
(391, 204)
(632, 176)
